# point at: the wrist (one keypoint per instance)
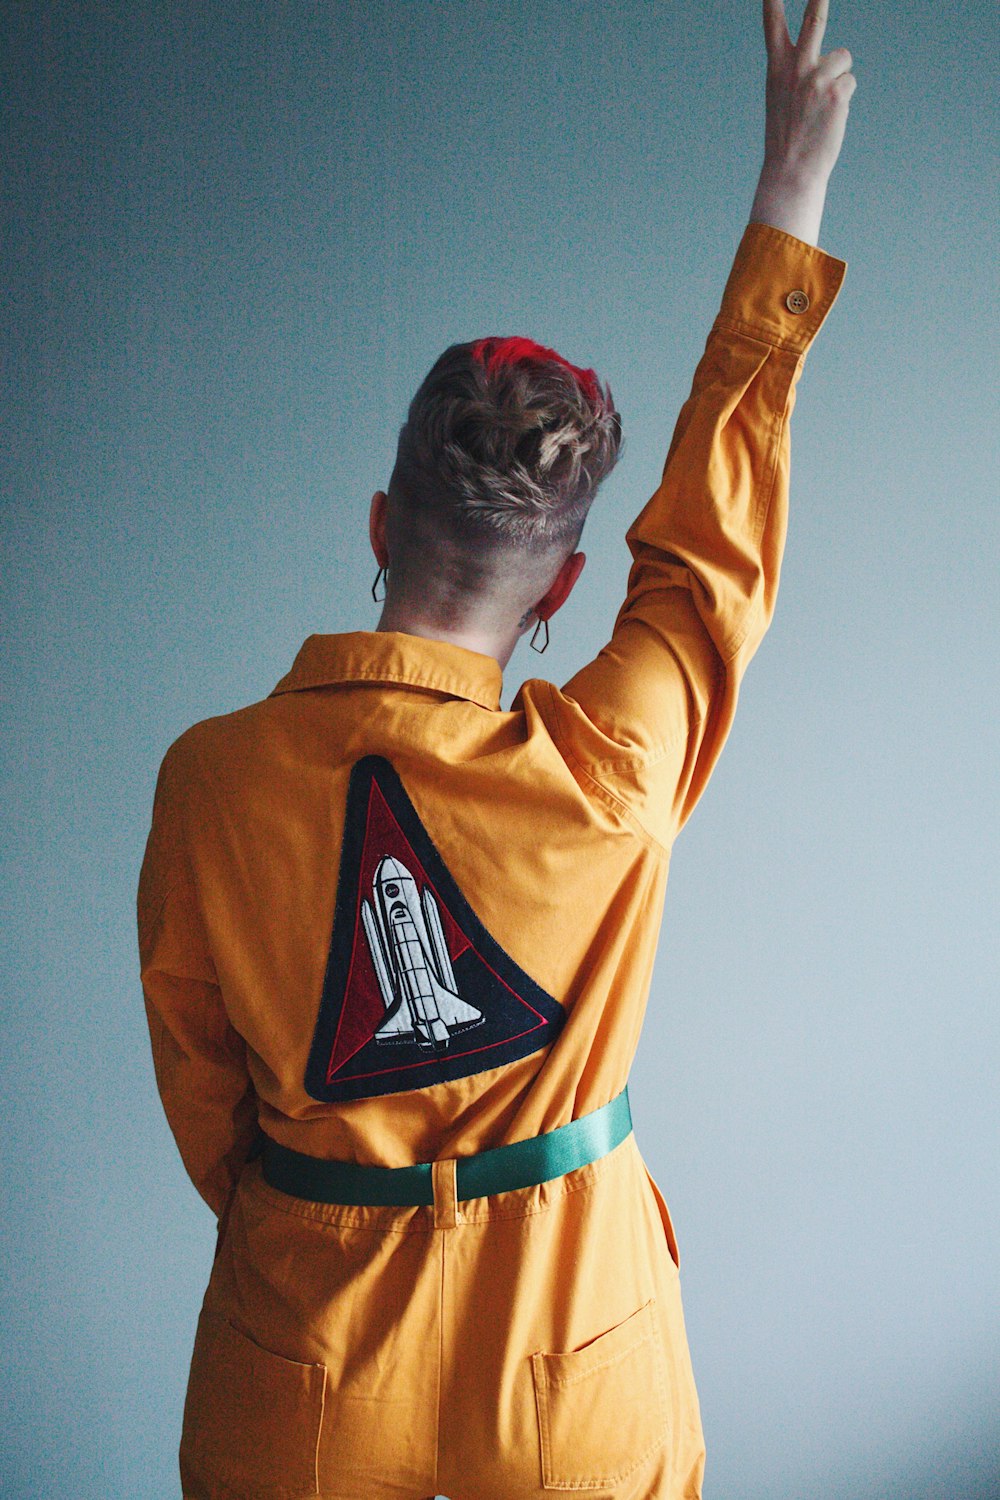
(790, 200)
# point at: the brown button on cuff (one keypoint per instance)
(797, 302)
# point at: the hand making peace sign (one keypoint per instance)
(808, 96)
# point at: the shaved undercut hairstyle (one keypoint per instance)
(498, 462)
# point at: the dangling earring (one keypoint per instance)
(379, 597)
(538, 627)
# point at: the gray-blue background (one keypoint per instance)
(237, 237)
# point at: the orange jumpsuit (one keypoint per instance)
(531, 1341)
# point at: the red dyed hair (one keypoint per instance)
(493, 352)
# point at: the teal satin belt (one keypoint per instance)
(521, 1164)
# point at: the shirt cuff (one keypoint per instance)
(780, 288)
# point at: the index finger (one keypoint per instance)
(775, 28)
(813, 26)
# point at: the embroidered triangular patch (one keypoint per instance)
(416, 991)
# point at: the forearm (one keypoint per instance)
(791, 204)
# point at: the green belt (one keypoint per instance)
(522, 1164)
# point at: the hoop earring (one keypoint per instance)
(538, 627)
(379, 597)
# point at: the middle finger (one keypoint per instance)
(813, 27)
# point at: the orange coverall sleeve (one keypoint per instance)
(647, 719)
(198, 1057)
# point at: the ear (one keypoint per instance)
(562, 586)
(376, 528)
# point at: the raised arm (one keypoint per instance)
(647, 719)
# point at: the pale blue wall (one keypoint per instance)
(240, 236)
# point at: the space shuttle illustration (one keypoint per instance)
(412, 962)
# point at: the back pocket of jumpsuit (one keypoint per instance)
(602, 1409)
(251, 1419)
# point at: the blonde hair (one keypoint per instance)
(504, 446)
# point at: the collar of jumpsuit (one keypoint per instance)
(392, 656)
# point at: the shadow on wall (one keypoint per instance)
(957, 1477)
(959, 1459)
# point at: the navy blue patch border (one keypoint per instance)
(433, 1070)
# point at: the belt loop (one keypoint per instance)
(444, 1176)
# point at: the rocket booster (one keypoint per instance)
(412, 962)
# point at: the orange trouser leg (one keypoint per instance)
(567, 1362)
